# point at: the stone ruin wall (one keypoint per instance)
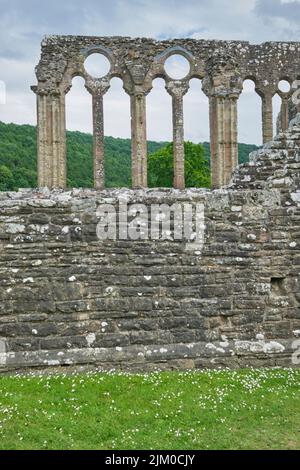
(221, 65)
(70, 299)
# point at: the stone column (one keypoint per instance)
(138, 140)
(177, 91)
(98, 141)
(98, 89)
(223, 137)
(284, 113)
(267, 117)
(51, 139)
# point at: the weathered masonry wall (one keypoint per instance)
(69, 298)
(221, 65)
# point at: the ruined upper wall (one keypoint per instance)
(221, 65)
(141, 59)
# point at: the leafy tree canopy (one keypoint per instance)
(18, 163)
(6, 178)
(196, 166)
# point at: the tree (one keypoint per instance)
(18, 153)
(6, 179)
(196, 167)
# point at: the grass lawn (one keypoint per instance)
(216, 409)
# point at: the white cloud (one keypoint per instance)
(23, 24)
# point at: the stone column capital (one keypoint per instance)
(97, 87)
(222, 85)
(177, 88)
(137, 91)
(44, 89)
(265, 91)
(221, 91)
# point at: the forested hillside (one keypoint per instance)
(18, 167)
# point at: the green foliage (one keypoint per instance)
(18, 155)
(196, 166)
(244, 150)
(18, 164)
(6, 178)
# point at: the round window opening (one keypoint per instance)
(97, 65)
(284, 86)
(248, 86)
(177, 66)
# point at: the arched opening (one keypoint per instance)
(276, 102)
(249, 120)
(79, 135)
(196, 131)
(196, 113)
(117, 133)
(284, 88)
(159, 133)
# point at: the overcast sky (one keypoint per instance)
(23, 23)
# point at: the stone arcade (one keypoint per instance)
(221, 65)
(68, 298)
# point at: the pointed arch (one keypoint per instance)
(79, 145)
